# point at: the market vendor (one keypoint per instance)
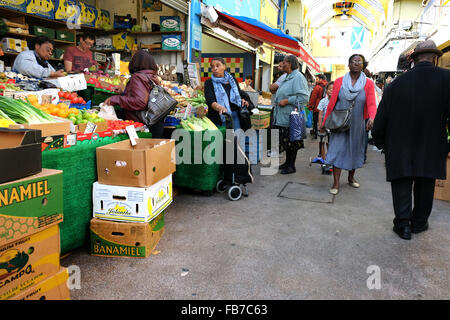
(34, 62)
(80, 57)
(134, 99)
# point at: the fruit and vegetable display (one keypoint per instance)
(84, 116)
(198, 124)
(23, 112)
(71, 96)
(122, 124)
(99, 80)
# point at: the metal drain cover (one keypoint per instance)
(305, 192)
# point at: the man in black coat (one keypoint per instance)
(410, 126)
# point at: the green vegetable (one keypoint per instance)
(23, 112)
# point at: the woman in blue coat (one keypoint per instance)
(292, 94)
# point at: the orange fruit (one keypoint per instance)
(53, 110)
(33, 99)
(63, 113)
(62, 106)
(75, 111)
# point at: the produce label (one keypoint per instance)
(28, 261)
(30, 205)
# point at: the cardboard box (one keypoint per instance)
(42, 31)
(71, 83)
(261, 120)
(169, 23)
(103, 18)
(53, 288)
(14, 45)
(43, 8)
(20, 154)
(14, 5)
(66, 9)
(89, 15)
(28, 261)
(53, 142)
(442, 187)
(30, 205)
(93, 136)
(121, 164)
(171, 42)
(101, 126)
(104, 42)
(119, 203)
(47, 129)
(125, 239)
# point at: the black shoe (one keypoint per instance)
(403, 232)
(288, 170)
(283, 166)
(423, 228)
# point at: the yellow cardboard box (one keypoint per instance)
(26, 262)
(53, 288)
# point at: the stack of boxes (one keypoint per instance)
(134, 188)
(31, 208)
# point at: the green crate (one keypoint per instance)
(187, 175)
(57, 53)
(64, 35)
(42, 31)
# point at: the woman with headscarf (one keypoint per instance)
(223, 94)
(292, 94)
(134, 99)
(346, 149)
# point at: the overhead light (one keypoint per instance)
(344, 17)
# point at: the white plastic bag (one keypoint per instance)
(107, 112)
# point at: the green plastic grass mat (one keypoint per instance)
(79, 166)
(203, 176)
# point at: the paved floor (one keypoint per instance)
(271, 247)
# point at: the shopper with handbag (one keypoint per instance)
(351, 103)
(135, 98)
(223, 95)
(292, 94)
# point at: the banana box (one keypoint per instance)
(53, 288)
(132, 204)
(66, 9)
(120, 41)
(19, 5)
(89, 15)
(26, 262)
(30, 205)
(43, 8)
(103, 18)
(125, 239)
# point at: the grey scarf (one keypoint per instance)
(351, 92)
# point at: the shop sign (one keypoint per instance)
(269, 13)
(195, 37)
(244, 8)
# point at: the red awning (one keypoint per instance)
(259, 31)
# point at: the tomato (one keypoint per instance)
(61, 94)
(66, 95)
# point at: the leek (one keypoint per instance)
(22, 112)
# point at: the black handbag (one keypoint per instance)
(340, 120)
(244, 118)
(160, 104)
